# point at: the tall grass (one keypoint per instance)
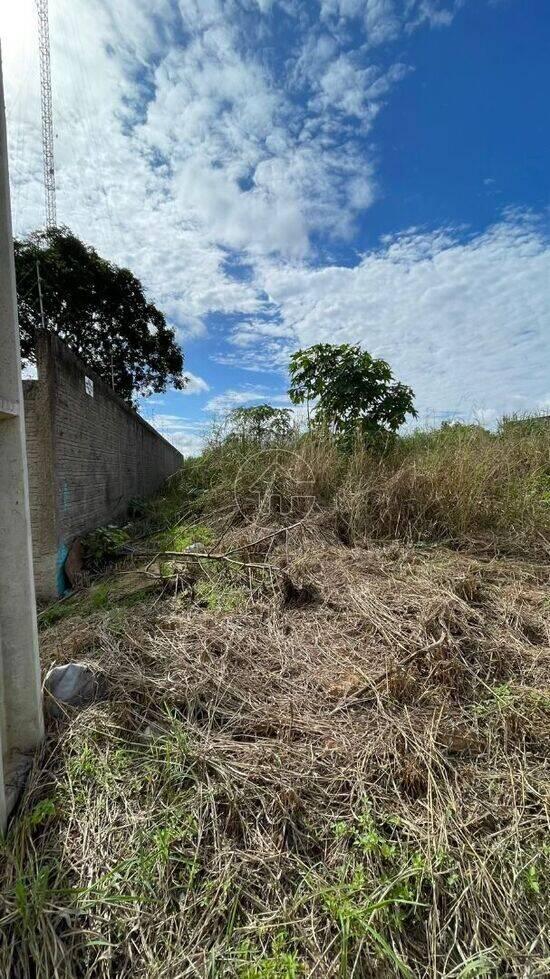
(456, 484)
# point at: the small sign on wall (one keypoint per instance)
(89, 385)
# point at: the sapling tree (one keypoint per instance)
(261, 424)
(351, 393)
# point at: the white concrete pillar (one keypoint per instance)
(21, 723)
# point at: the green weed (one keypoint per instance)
(277, 963)
(104, 544)
(179, 537)
(218, 594)
(56, 613)
(42, 813)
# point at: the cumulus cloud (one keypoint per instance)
(236, 398)
(195, 384)
(250, 331)
(384, 20)
(186, 435)
(175, 139)
(356, 91)
(116, 188)
(182, 138)
(463, 320)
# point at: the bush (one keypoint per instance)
(103, 545)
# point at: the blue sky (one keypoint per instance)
(282, 172)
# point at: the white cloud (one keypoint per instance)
(185, 434)
(249, 332)
(437, 13)
(29, 372)
(195, 384)
(356, 91)
(235, 398)
(465, 322)
(488, 417)
(384, 20)
(254, 359)
(178, 140)
(186, 442)
(115, 188)
(174, 139)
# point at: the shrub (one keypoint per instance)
(104, 544)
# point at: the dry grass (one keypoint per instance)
(345, 781)
(456, 485)
(460, 485)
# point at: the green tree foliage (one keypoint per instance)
(260, 423)
(99, 310)
(353, 394)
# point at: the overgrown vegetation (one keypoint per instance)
(327, 759)
(460, 484)
(259, 424)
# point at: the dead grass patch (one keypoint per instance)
(352, 785)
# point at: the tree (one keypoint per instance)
(99, 310)
(354, 395)
(261, 423)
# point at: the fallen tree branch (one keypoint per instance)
(182, 556)
(260, 540)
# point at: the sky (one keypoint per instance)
(285, 172)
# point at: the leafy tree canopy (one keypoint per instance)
(99, 310)
(353, 394)
(260, 423)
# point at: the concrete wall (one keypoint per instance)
(21, 726)
(88, 454)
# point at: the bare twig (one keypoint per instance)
(182, 556)
(260, 540)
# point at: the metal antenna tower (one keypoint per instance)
(47, 116)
